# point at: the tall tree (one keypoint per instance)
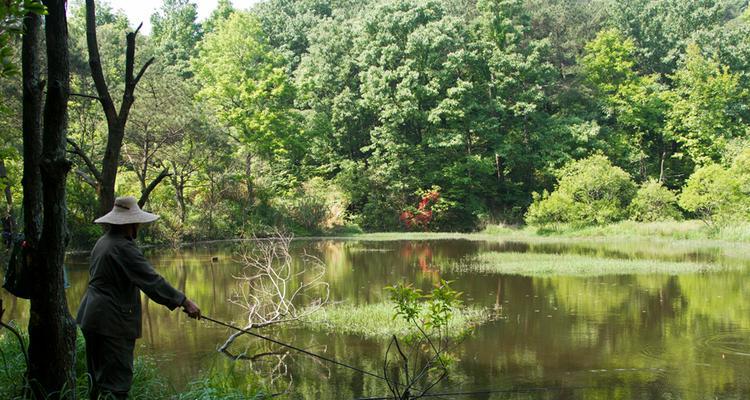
(662, 29)
(709, 107)
(222, 11)
(634, 102)
(244, 80)
(51, 328)
(175, 33)
(106, 175)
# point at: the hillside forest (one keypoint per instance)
(324, 116)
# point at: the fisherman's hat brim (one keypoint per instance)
(126, 211)
(113, 218)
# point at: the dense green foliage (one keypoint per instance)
(318, 114)
(720, 195)
(654, 202)
(591, 192)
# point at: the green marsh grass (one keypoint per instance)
(377, 320)
(668, 239)
(229, 384)
(542, 264)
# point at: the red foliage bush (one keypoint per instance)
(420, 217)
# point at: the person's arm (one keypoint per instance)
(143, 275)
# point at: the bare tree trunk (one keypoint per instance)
(116, 120)
(178, 182)
(661, 166)
(249, 201)
(52, 331)
(8, 197)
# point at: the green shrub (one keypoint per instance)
(226, 385)
(591, 191)
(317, 207)
(654, 202)
(719, 195)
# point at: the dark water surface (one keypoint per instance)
(641, 336)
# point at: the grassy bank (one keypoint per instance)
(642, 240)
(674, 230)
(377, 321)
(148, 383)
(536, 264)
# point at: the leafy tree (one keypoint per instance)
(710, 193)
(590, 192)
(12, 13)
(719, 195)
(222, 11)
(175, 33)
(635, 103)
(287, 24)
(568, 25)
(245, 82)
(519, 75)
(662, 29)
(708, 107)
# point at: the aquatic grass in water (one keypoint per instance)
(536, 264)
(377, 320)
(226, 385)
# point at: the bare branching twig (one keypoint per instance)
(271, 290)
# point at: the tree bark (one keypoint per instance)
(33, 88)
(145, 193)
(52, 331)
(178, 182)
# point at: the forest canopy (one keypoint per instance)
(325, 115)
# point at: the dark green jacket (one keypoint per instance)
(112, 303)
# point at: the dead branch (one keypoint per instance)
(271, 290)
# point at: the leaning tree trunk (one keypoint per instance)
(52, 331)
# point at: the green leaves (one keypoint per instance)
(720, 195)
(12, 13)
(709, 107)
(243, 79)
(433, 309)
(407, 301)
(590, 192)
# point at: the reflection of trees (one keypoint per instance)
(595, 323)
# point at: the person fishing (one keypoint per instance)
(110, 311)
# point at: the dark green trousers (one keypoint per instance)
(110, 365)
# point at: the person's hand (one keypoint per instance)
(191, 309)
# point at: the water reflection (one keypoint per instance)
(650, 336)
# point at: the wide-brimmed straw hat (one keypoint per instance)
(126, 211)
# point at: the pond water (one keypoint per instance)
(648, 335)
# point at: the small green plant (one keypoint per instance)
(412, 377)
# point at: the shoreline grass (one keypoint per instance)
(376, 321)
(542, 264)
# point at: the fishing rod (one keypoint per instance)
(324, 358)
